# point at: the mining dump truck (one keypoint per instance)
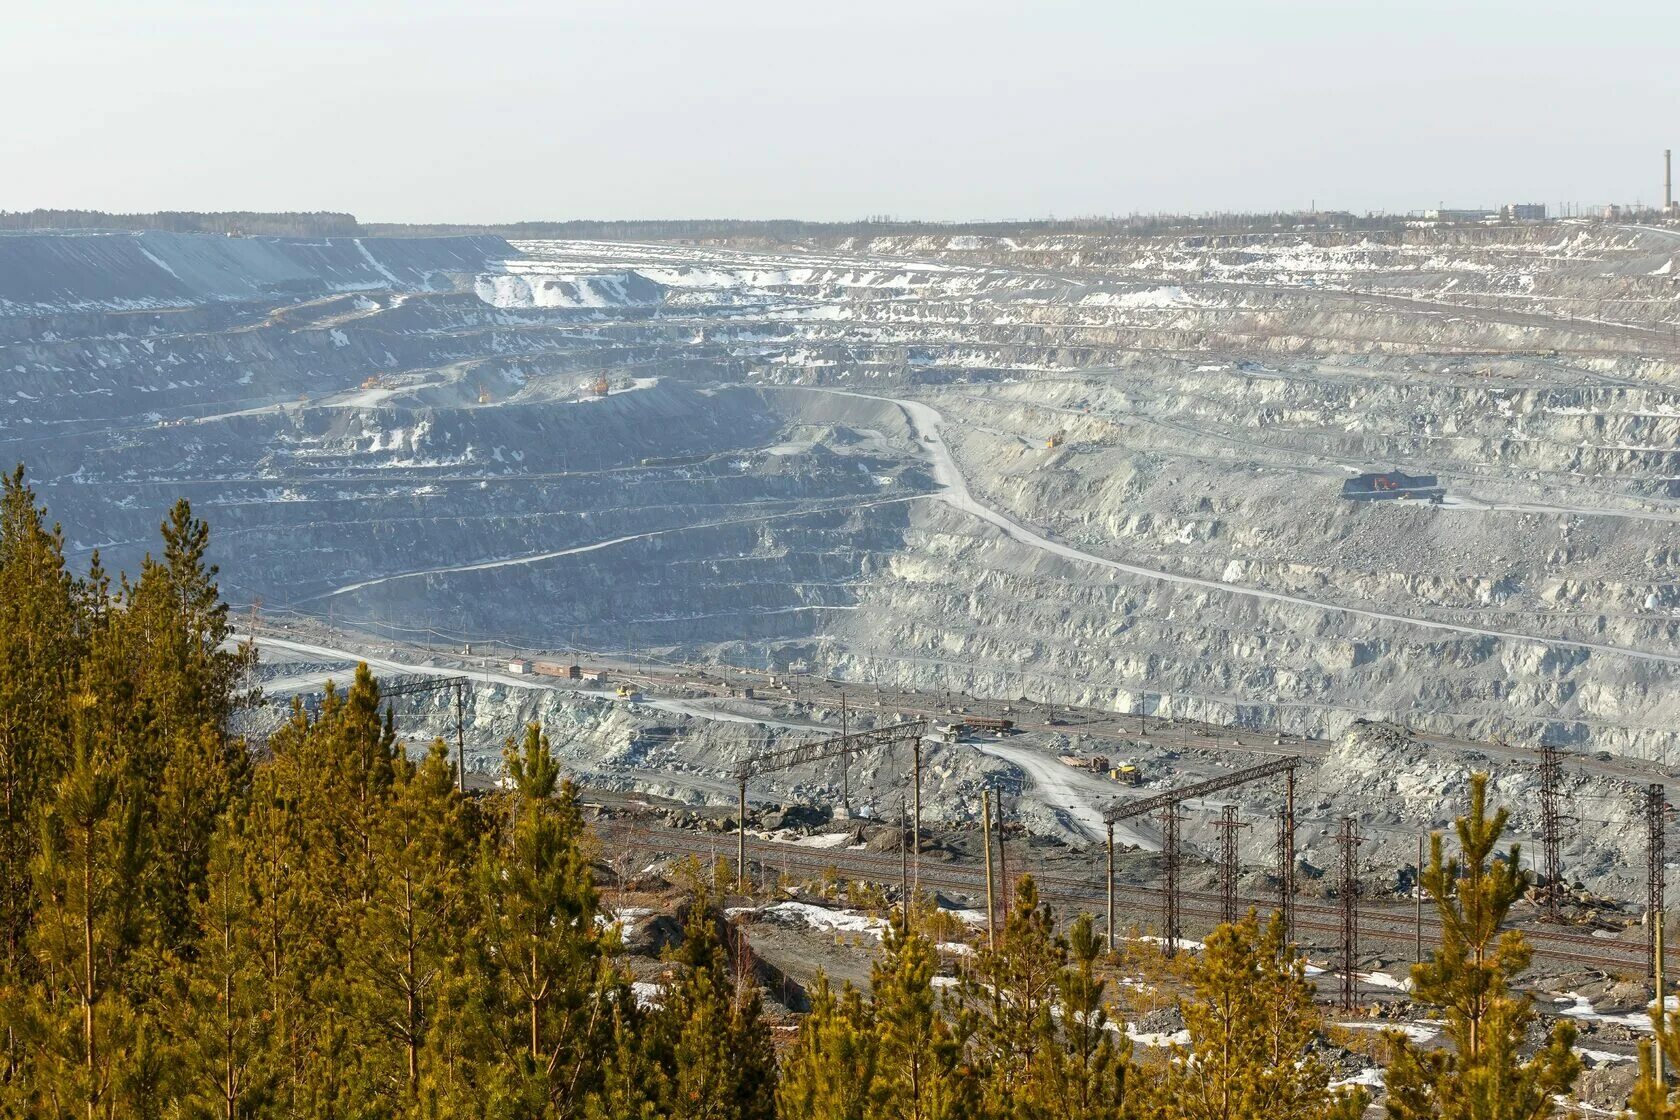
(1386, 486)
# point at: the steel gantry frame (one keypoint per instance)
(1348, 840)
(420, 685)
(821, 750)
(1229, 824)
(1167, 804)
(1286, 857)
(1656, 851)
(1171, 816)
(1551, 830)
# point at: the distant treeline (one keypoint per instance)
(327, 223)
(792, 229)
(315, 224)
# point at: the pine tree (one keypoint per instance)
(84, 1031)
(920, 1072)
(168, 685)
(829, 1074)
(284, 914)
(197, 674)
(225, 1025)
(314, 812)
(411, 923)
(538, 923)
(1250, 1021)
(710, 1034)
(42, 641)
(632, 1083)
(1481, 1076)
(1089, 1074)
(150, 657)
(1014, 1002)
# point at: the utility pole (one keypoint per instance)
(1662, 998)
(1230, 820)
(845, 765)
(903, 861)
(1286, 857)
(1110, 885)
(741, 838)
(1417, 901)
(916, 834)
(1656, 851)
(1348, 841)
(461, 734)
(1003, 866)
(1170, 817)
(986, 831)
(1551, 770)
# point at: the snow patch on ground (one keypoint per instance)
(1581, 1008)
(817, 917)
(1371, 1078)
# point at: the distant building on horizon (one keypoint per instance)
(1444, 215)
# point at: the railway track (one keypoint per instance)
(1378, 922)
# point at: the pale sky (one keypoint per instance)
(501, 110)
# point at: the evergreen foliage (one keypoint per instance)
(1482, 1076)
(921, 1071)
(1250, 1021)
(830, 1071)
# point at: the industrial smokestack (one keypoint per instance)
(1668, 179)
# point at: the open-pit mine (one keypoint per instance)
(1176, 503)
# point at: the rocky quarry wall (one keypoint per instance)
(1090, 469)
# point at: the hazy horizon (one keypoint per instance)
(502, 112)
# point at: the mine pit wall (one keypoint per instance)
(1022, 622)
(914, 592)
(43, 273)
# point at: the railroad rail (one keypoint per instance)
(1389, 923)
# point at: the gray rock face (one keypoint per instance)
(1092, 469)
(51, 273)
